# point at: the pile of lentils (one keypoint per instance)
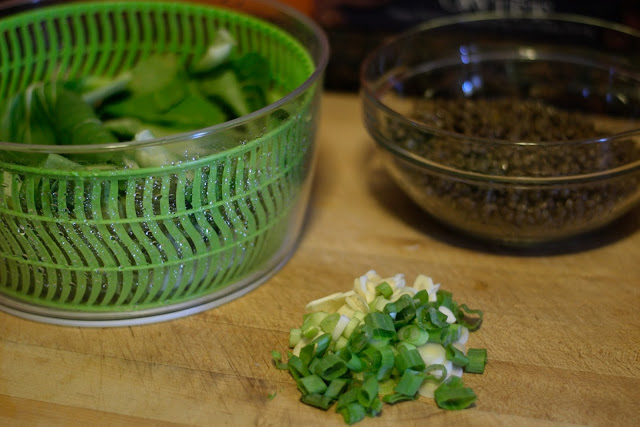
(506, 212)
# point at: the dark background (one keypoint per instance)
(355, 27)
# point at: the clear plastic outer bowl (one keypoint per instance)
(559, 158)
(124, 246)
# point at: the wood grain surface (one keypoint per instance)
(561, 326)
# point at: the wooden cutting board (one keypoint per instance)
(561, 327)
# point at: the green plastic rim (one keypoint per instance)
(116, 247)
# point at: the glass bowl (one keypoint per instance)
(514, 129)
(215, 214)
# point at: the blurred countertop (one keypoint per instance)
(562, 326)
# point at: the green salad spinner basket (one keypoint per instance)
(118, 246)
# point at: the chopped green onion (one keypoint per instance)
(410, 382)
(349, 396)
(437, 318)
(311, 384)
(375, 408)
(353, 412)
(398, 350)
(307, 353)
(453, 395)
(404, 308)
(378, 343)
(328, 324)
(322, 344)
(445, 298)
(297, 368)
(295, 335)
(372, 358)
(394, 398)
(330, 367)
(368, 391)
(453, 333)
(403, 345)
(386, 386)
(341, 342)
(359, 315)
(313, 319)
(309, 331)
(343, 353)
(387, 362)
(436, 367)
(381, 325)
(378, 303)
(438, 336)
(277, 359)
(471, 323)
(421, 298)
(317, 400)
(356, 364)
(429, 318)
(311, 323)
(413, 335)
(358, 377)
(384, 289)
(409, 359)
(359, 339)
(351, 326)
(477, 360)
(457, 357)
(336, 388)
(312, 365)
(315, 348)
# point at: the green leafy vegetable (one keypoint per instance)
(216, 54)
(95, 89)
(158, 97)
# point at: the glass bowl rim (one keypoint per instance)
(367, 92)
(300, 18)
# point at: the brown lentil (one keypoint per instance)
(501, 210)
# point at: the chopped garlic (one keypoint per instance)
(365, 285)
(423, 282)
(402, 291)
(330, 303)
(396, 282)
(357, 303)
(345, 310)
